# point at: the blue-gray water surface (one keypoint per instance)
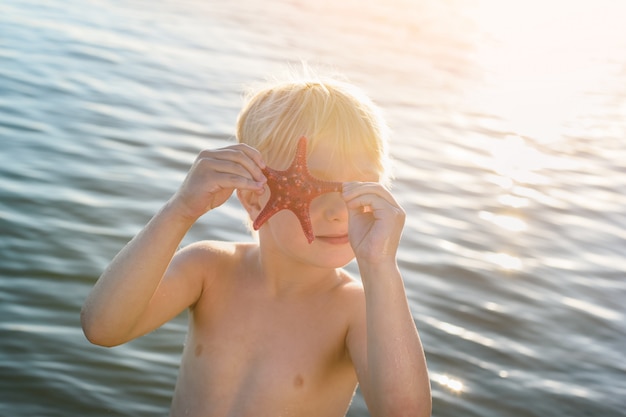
(509, 123)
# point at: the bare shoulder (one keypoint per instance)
(215, 248)
(208, 259)
(213, 251)
(351, 293)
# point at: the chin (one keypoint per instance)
(336, 261)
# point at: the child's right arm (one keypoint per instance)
(143, 287)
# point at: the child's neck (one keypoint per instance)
(283, 277)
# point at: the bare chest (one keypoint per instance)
(246, 351)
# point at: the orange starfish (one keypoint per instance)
(294, 189)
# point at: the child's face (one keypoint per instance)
(328, 212)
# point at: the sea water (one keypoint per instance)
(508, 142)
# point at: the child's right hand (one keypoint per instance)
(213, 177)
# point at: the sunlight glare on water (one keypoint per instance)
(543, 58)
(452, 384)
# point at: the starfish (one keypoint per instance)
(294, 189)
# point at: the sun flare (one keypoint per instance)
(541, 59)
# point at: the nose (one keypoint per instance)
(333, 207)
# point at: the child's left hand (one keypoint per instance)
(375, 221)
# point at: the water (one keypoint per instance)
(509, 124)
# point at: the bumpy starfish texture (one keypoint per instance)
(294, 189)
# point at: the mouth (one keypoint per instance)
(334, 239)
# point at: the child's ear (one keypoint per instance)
(251, 201)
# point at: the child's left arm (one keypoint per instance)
(385, 349)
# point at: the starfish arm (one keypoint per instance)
(302, 213)
(264, 215)
(294, 189)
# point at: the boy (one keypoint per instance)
(277, 328)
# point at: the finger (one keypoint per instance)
(241, 154)
(368, 203)
(215, 174)
(357, 190)
(250, 158)
(228, 166)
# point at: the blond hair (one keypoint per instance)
(322, 109)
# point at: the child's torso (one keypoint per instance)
(252, 355)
